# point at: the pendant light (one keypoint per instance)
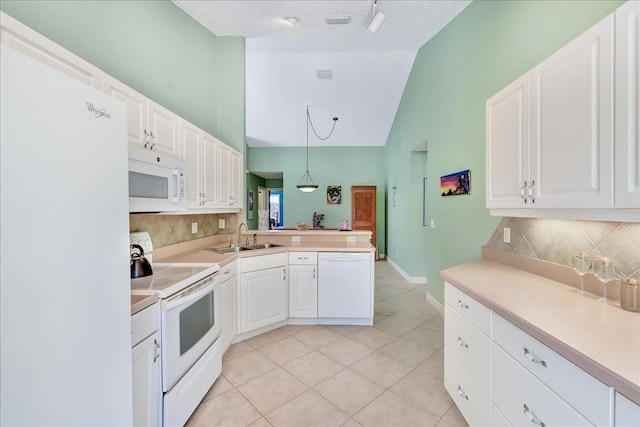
(306, 184)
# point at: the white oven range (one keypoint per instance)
(189, 327)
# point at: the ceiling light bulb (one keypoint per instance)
(376, 22)
(291, 20)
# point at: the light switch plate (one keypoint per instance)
(221, 223)
(194, 228)
(506, 235)
(433, 223)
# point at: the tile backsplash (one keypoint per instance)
(168, 230)
(556, 240)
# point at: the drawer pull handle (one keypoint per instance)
(534, 359)
(532, 417)
(462, 343)
(462, 393)
(463, 305)
(157, 350)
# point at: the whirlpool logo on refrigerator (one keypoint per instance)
(98, 113)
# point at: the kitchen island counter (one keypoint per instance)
(600, 338)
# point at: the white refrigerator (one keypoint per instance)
(65, 319)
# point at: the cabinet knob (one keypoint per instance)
(462, 343)
(284, 274)
(530, 191)
(314, 272)
(155, 342)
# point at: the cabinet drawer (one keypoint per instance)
(627, 412)
(524, 400)
(144, 323)
(471, 347)
(262, 262)
(477, 313)
(303, 257)
(228, 270)
(473, 404)
(585, 393)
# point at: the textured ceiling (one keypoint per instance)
(369, 71)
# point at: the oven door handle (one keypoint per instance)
(178, 301)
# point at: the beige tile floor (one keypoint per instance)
(390, 374)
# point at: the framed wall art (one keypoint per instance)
(334, 194)
(456, 183)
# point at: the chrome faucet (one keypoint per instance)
(240, 233)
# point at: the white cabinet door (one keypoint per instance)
(572, 123)
(627, 413)
(236, 182)
(208, 174)
(303, 291)
(228, 304)
(31, 43)
(136, 109)
(146, 388)
(627, 145)
(192, 146)
(507, 146)
(163, 125)
(223, 176)
(263, 298)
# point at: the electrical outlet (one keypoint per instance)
(433, 223)
(295, 239)
(221, 223)
(506, 235)
(194, 228)
(351, 239)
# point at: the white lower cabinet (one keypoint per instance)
(228, 304)
(494, 369)
(303, 285)
(474, 405)
(524, 399)
(146, 367)
(627, 412)
(263, 291)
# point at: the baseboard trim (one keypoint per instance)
(414, 280)
(435, 303)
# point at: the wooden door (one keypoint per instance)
(363, 209)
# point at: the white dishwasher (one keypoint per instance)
(345, 287)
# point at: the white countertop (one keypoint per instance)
(601, 338)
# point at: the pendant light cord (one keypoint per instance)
(335, 119)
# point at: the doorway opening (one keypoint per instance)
(276, 207)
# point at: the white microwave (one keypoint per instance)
(156, 182)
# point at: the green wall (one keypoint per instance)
(484, 48)
(253, 182)
(155, 48)
(344, 166)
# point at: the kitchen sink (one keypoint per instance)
(241, 248)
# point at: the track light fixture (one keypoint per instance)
(377, 19)
(306, 184)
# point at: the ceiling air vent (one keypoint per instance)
(338, 19)
(325, 74)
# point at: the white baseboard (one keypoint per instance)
(415, 280)
(434, 302)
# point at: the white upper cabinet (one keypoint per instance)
(199, 154)
(236, 183)
(551, 135)
(163, 129)
(507, 144)
(31, 43)
(149, 125)
(224, 175)
(627, 123)
(136, 109)
(572, 123)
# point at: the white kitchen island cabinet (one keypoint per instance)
(147, 393)
(345, 288)
(263, 293)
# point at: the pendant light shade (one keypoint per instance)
(306, 184)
